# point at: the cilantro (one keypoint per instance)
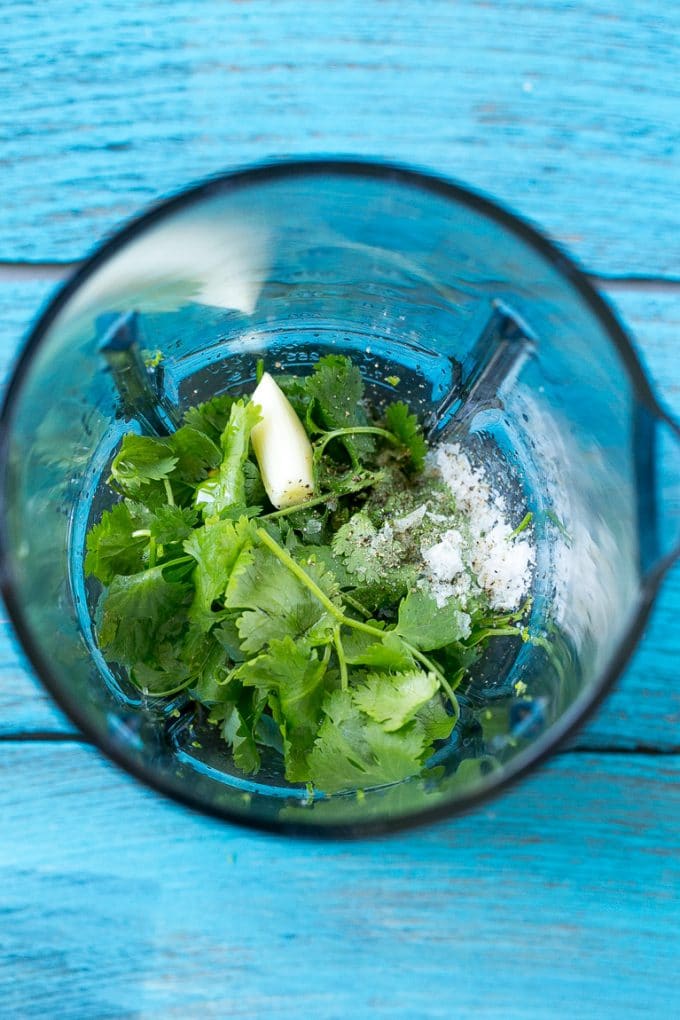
(405, 427)
(355, 543)
(112, 547)
(216, 549)
(160, 682)
(135, 610)
(303, 629)
(436, 722)
(206, 663)
(152, 359)
(427, 626)
(352, 751)
(388, 654)
(196, 454)
(522, 526)
(142, 459)
(337, 392)
(239, 721)
(211, 417)
(294, 672)
(169, 524)
(276, 603)
(227, 488)
(394, 698)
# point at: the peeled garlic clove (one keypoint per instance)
(281, 446)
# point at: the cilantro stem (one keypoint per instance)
(359, 430)
(524, 523)
(457, 677)
(168, 492)
(342, 661)
(325, 497)
(301, 575)
(164, 694)
(305, 579)
(152, 552)
(176, 563)
(365, 627)
(355, 604)
(141, 533)
(493, 632)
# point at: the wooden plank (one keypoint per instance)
(566, 111)
(560, 899)
(653, 318)
(645, 707)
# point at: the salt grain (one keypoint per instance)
(480, 553)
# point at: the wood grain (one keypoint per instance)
(566, 111)
(558, 901)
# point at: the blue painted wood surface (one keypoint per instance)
(563, 897)
(558, 901)
(567, 110)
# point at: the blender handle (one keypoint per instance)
(666, 490)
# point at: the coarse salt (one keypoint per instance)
(480, 554)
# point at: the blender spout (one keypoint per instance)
(139, 385)
(490, 369)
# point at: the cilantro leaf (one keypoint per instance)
(436, 722)
(276, 603)
(332, 565)
(170, 524)
(211, 417)
(353, 752)
(206, 661)
(226, 633)
(239, 721)
(337, 389)
(388, 654)
(111, 549)
(226, 489)
(255, 494)
(355, 543)
(423, 624)
(386, 592)
(160, 681)
(373, 561)
(244, 745)
(135, 610)
(196, 454)
(292, 676)
(392, 699)
(295, 673)
(406, 428)
(140, 460)
(216, 547)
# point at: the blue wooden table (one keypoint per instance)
(562, 898)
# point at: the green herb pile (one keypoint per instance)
(287, 628)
